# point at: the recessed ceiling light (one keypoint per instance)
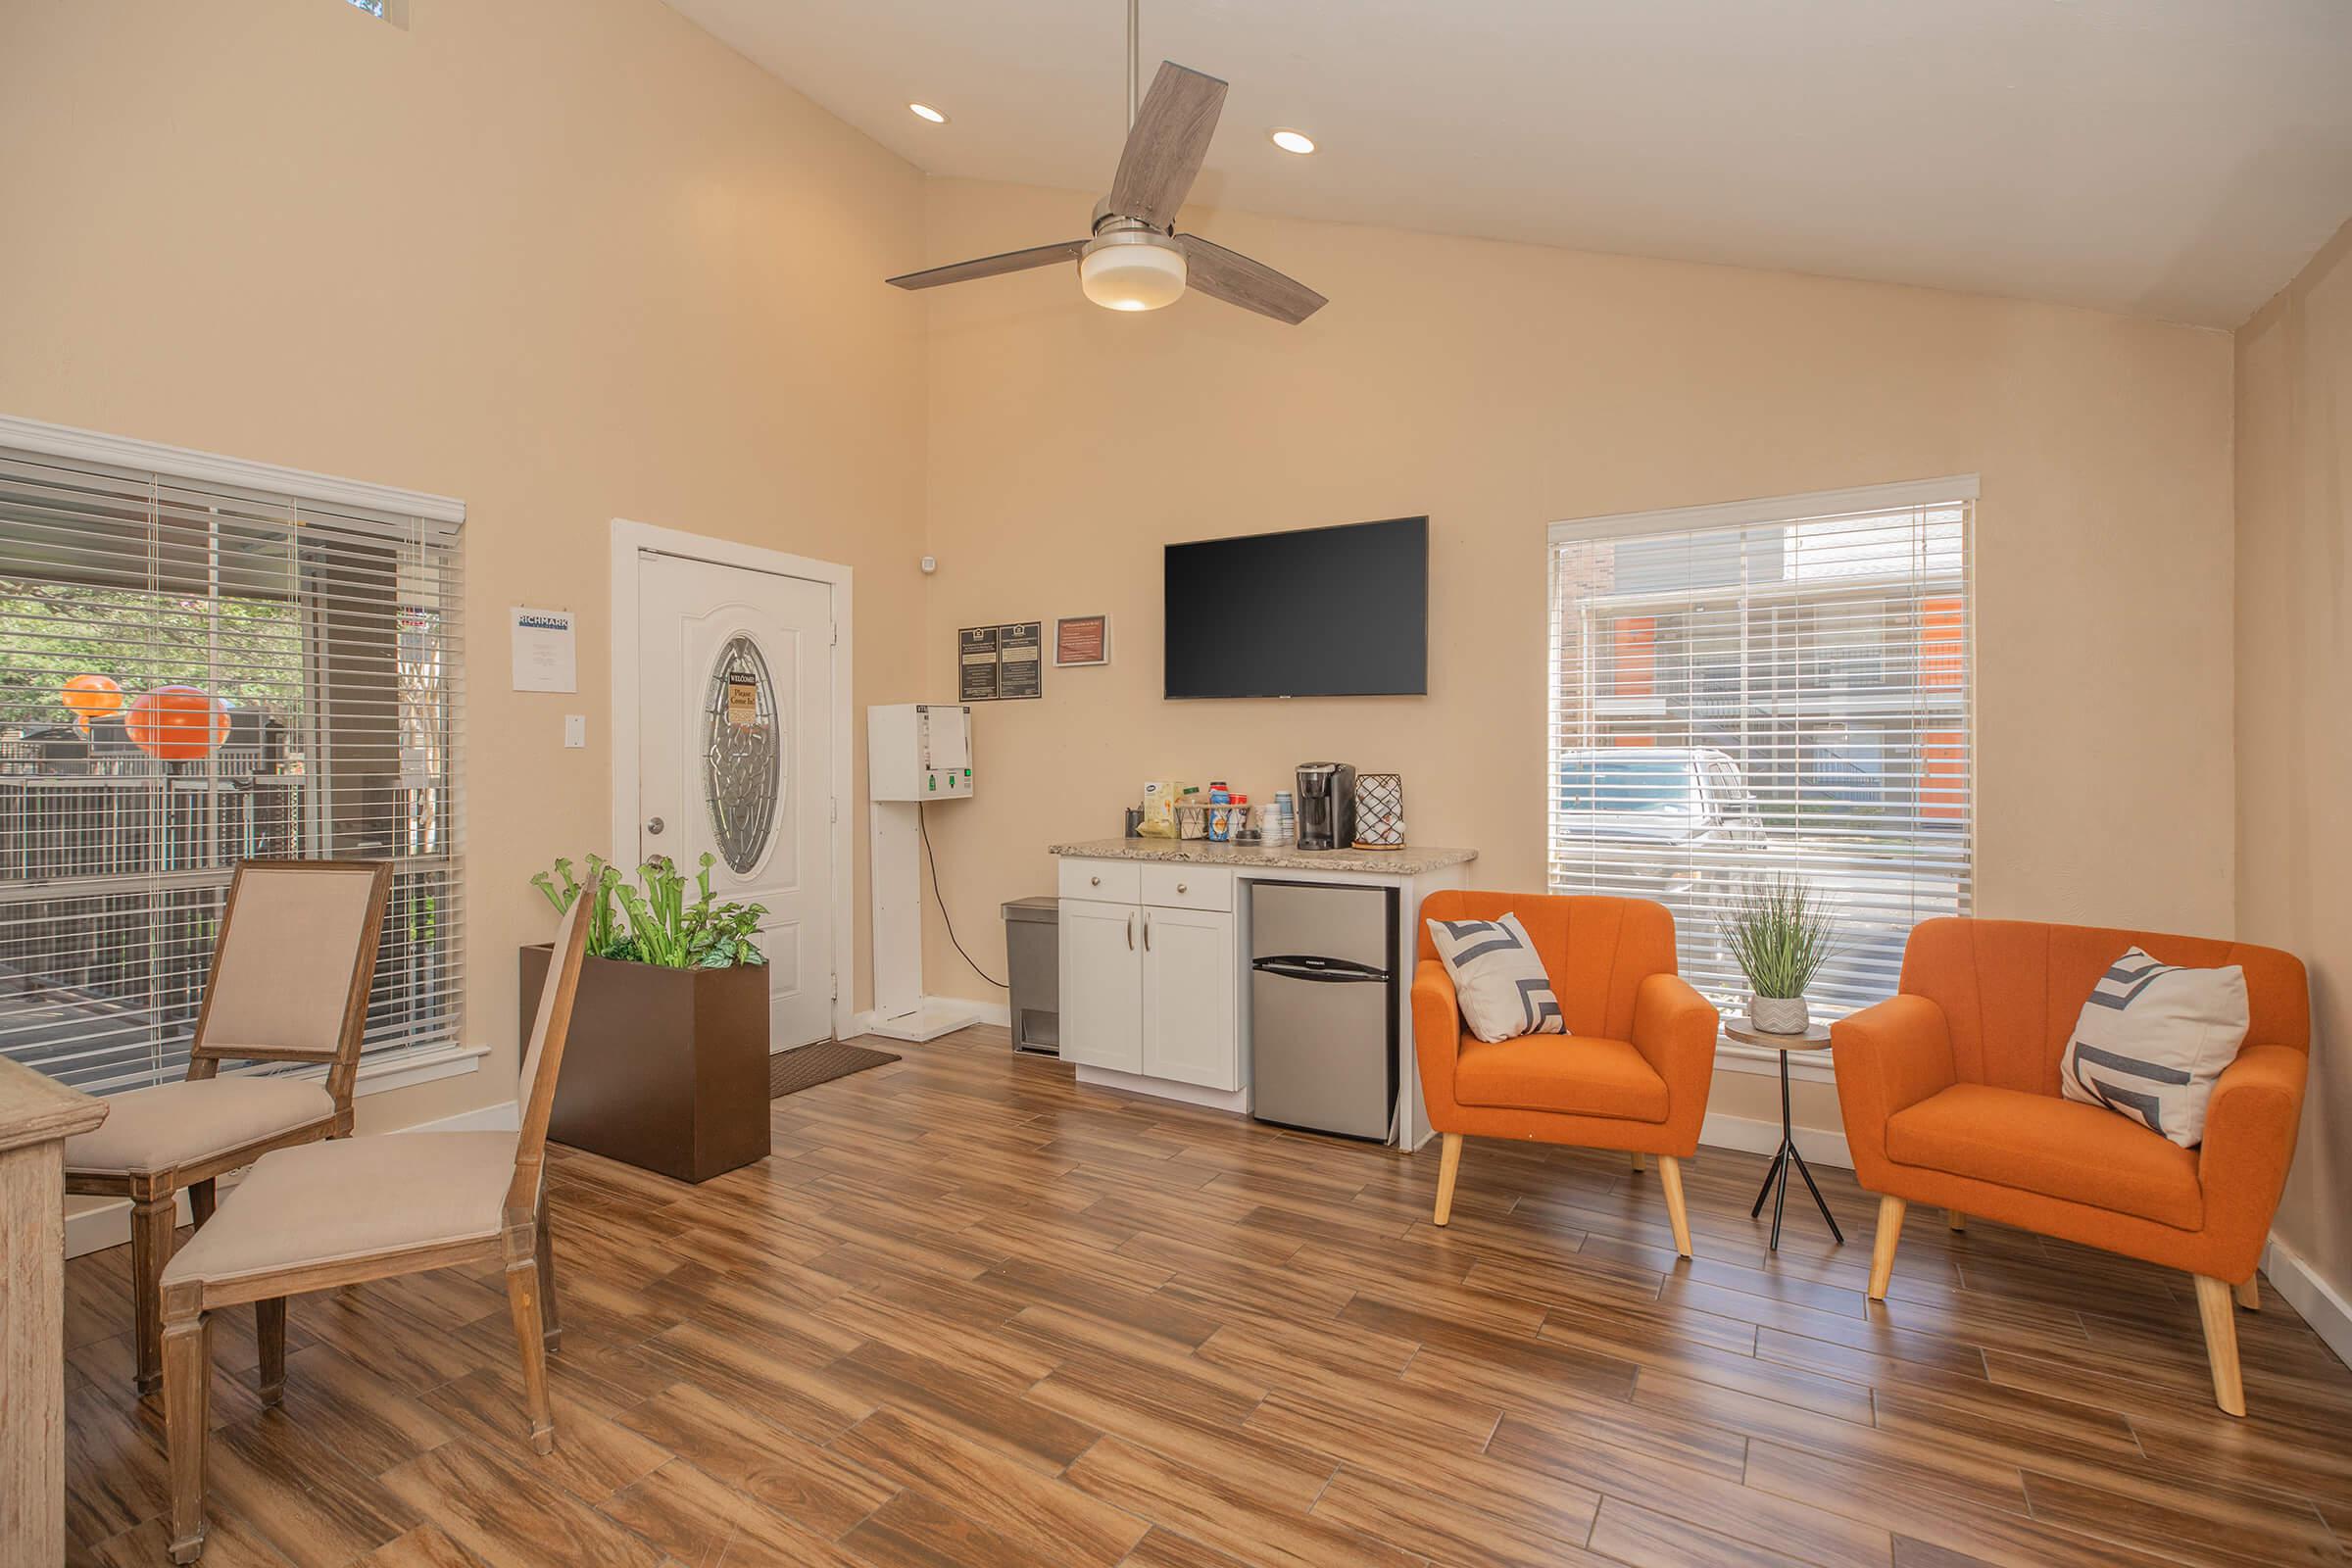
(1292, 141)
(927, 112)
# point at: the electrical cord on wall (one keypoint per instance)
(922, 824)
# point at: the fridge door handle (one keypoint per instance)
(1323, 971)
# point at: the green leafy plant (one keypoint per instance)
(1780, 934)
(605, 940)
(664, 928)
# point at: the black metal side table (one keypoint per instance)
(1814, 1037)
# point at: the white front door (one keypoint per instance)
(735, 759)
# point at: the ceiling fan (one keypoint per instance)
(1136, 261)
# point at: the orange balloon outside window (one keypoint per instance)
(90, 697)
(177, 724)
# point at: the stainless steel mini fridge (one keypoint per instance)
(1323, 992)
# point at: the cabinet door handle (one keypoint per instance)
(1092, 881)
(1182, 888)
(1131, 931)
(1146, 930)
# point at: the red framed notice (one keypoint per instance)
(1082, 640)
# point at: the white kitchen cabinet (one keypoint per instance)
(1147, 972)
(1102, 985)
(1189, 1026)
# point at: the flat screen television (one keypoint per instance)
(1317, 612)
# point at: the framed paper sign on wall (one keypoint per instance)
(1082, 640)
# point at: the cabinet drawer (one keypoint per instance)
(1187, 887)
(1105, 881)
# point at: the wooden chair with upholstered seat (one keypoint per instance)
(1632, 1073)
(292, 966)
(366, 1208)
(1949, 1091)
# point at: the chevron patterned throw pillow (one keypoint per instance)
(2152, 1039)
(1497, 978)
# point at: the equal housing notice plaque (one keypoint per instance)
(976, 665)
(994, 664)
(1021, 659)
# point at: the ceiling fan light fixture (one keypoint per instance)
(1294, 141)
(1131, 271)
(927, 112)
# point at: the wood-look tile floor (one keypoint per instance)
(968, 1314)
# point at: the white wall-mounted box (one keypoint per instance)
(918, 751)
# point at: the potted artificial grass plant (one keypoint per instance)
(667, 1064)
(1781, 935)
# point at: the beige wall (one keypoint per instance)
(1499, 387)
(568, 260)
(2295, 689)
(572, 261)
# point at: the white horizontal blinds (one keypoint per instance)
(316, 649)
(1789, 695)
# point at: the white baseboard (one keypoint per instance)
(1753, 1137)
(2323, 1306)
(503, 1117)
(861, 1023)
(105, 1222)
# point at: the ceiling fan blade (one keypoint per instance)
(1166, 146)
(1235, 278)
(990, 265)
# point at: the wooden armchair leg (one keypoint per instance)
(150, 1250)
(550, 1313)
(1955, 1219)
(270, 1333)
(2249, 1293)
(1670, 1176)
(2215, 1306)
(1638, 1161)
(522, 1295)
(203, 1197)
(187, 1351)
(1449, 1166)
(1883, 1245)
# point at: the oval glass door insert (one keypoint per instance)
(743, 754)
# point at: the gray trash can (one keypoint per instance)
(1033, 953)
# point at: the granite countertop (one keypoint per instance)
(1411, 861)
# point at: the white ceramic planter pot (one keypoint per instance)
(1777, 1016)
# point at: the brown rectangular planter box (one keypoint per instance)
(666, 1070)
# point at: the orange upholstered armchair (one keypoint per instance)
(1950, 1096)
(1632, 1071)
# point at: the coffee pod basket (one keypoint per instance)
(1378, 812)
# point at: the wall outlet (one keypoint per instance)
(575, 731)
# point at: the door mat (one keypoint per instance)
(806, 1066)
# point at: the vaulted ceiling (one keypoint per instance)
(2179, 158)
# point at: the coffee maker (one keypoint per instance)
(1326, 806)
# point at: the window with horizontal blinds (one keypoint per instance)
(191, 674)
(1770, 689)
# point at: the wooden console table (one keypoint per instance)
(37, 1115)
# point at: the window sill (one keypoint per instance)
(406, 1067)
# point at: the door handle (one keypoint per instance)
(1146, 930)
(1131, 931)
(653, 825)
